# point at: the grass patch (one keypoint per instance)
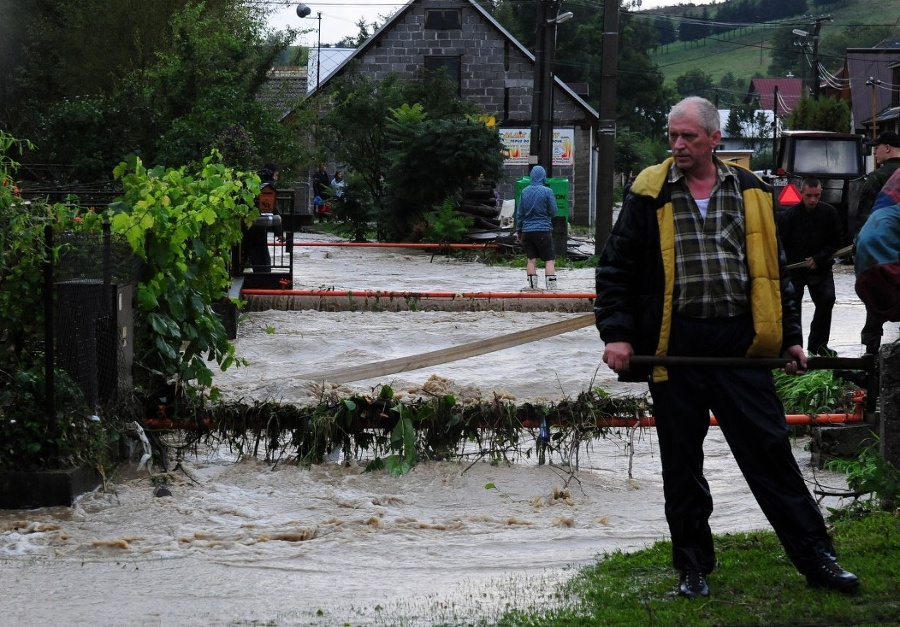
(754, 584)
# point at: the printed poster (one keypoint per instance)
(517, 142)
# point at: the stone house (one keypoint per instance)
(494, 71)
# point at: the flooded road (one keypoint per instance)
(240, 542)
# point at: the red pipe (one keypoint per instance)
(404, 294)
(423, 245)
(612, 422)
(793, 420)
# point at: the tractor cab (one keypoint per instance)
(836, 159)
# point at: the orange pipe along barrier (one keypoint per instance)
(407, 294)
(423, 245)
(644, 422)
(793, 420)
(163, 423)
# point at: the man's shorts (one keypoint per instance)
(538, 244)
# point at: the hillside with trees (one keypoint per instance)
(709, 50)
(743, 39)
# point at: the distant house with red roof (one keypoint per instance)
(762, 92)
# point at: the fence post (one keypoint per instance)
(49, 351)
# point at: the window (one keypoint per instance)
(829, 158)
(443, 19)
(449, 66)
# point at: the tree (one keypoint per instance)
(786, 57)
(460, 152)
(833, 46)
(382, 129)
(695, 83)
(13, 36)
(635, 152)
(750, 124)
(730, 81)
(172, 80)
(666, 31)
(820, 114)
(366, 30)
(643, 99)
(694, 28)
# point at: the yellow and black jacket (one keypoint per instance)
(635, 277)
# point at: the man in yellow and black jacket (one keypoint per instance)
(694, 268)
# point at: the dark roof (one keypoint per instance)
(789, 91)
(284, 87)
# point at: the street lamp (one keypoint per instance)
(305, 11)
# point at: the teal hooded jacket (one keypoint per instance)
(537, 205)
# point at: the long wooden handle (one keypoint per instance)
(812, 363)
(838, 253)
(454, 353)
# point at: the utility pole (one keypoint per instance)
(774, 130)
(816, 27)
(537, 92)
(606, 132)
(873, 83)
(548, 33)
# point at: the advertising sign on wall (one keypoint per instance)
(518, 145)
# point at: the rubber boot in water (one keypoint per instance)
(551, 282)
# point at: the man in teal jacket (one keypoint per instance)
(693, 268)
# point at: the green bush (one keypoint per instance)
(182, 223)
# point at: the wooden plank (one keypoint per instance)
(454, 353)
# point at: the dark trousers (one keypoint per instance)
(872, 331)
(256, 247)
(752, 420)
(821, 291)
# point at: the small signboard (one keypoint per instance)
(517, 142)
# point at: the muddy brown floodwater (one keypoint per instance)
(242, 543)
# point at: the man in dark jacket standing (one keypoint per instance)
(693, 268)
(811, 234)
(886, 151)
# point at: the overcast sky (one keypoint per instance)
(339, 18)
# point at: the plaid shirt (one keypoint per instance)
(711, 276)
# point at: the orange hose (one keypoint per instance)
(423, 245)
(650, 422)
(406, 294)
(611, 422)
